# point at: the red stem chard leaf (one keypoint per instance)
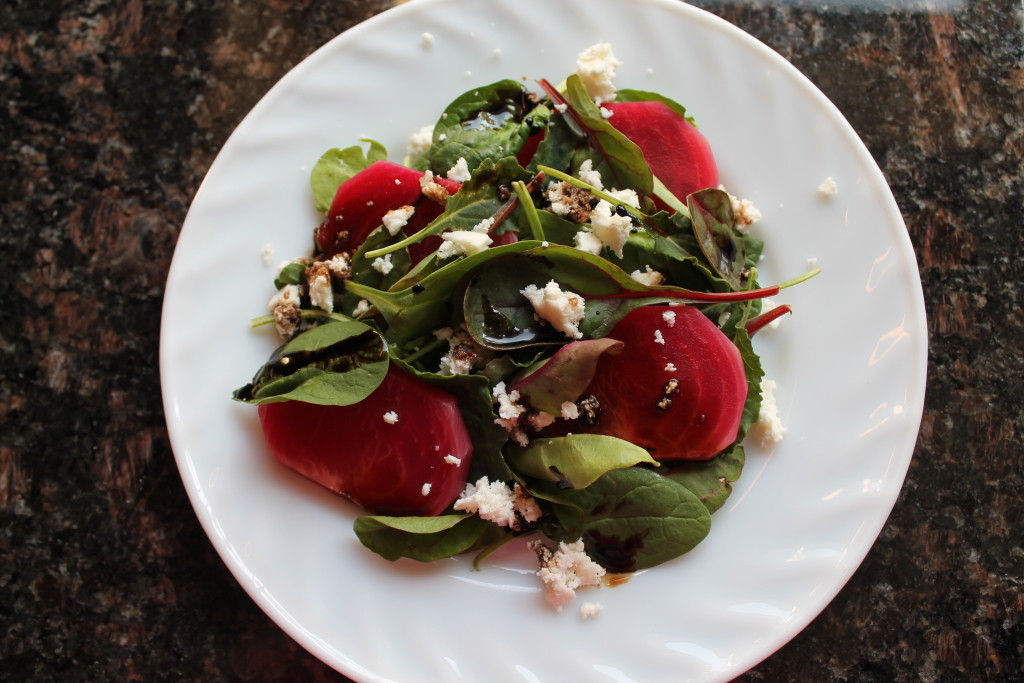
(337, 363)
(565, 375)
(712, 218)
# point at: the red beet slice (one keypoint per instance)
(694, 419)
(361, 202)
(678, 154)
(390, 469)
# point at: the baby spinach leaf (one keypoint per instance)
(424, 539)
(710, 480)
(565, 375)
(575, 461)
(336, 166)
(634, 518)
(489, 122)
(336, 363)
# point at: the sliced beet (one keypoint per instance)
(361, 202)
(385, 468)
(678, 154)
(681, 399)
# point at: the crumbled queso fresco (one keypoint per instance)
(562, 310)
(768, 426)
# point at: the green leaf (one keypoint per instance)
(292, 274)
(336, 363)
(336, 166)
(487, 122)
(424, 538)
(624, 159)
(711, 480)
(724, 248)
(576, 461)
(633, 519)
(628, 95)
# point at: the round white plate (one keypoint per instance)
(850, 363)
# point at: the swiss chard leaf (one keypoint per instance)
(425, 539)
(623, 158)
(337, 363)
(565, 375)
(575, 461)
(336, 166)
(725, 250)
(631, 519)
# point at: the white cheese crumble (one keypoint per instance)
(590, 609)
(828, 188)
(670, 367)
(649, 277)
(289, 295)
(562, 310)
(484, 226)
(427, 40)
(570, 411)
(768, 426)
(590, 175)
(596, 68)
(669, 317)
(382, 265)
(425, 489)
(396, 219)
(420, 141)
(340, 266)
(659, 338)
(321, 294)
(459, 172)
(607, 113)
(267, 254)
(452, 460)
(565, 570)
(498, 503)
(608, 226)
(463, 243)
(391, 417)
(744, 212)
(362, 307)
(561, 108)
(587, 241)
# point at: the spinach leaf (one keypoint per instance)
(337, 363)
(631, 519)
(575, 461)
(489, 122)
(425, 538)
(710, 480)
(336, 166)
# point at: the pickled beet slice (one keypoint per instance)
(361, 202)
(678, 154)
(389, 469)
(681, 397)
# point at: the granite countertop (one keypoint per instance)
(113, 112)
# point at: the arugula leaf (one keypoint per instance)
(337, 363)
(631, 519)
(576, 461)
(425, 539)
(336, 166)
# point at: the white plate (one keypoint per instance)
(850, 363)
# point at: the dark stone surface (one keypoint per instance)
(113, 110)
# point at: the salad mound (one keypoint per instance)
(537, 325)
